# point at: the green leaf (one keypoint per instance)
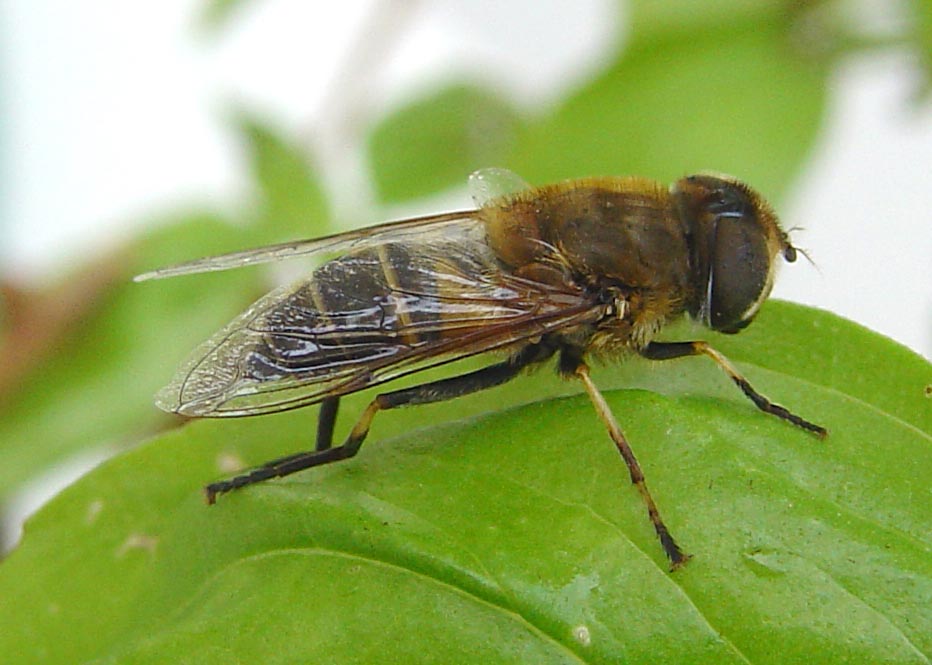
(434, 142)
(516, 535)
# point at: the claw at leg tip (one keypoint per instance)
(679, 561)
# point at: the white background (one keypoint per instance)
(113, 111)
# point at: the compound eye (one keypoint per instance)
(739, 275)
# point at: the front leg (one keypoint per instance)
(669, 350)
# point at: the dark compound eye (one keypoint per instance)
(740, 271)
(789, 254)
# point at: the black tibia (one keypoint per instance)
(669, 350)
(435, 391)
(280, 467)
(676, 555)
(326, 420)
(487, 377)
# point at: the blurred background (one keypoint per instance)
(134, 135)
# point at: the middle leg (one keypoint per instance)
(676, 555)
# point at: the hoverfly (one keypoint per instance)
(584, 268)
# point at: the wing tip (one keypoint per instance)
(146, 276)
(168, 402)
(168, 399)
(189, 402)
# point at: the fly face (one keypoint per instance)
(735, 244)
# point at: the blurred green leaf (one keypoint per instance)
(435, 141)
(735, 99)
(922, 38)
(216, 14)
(516, 536)
(96, 388)
(291, 202)
(686, 94)
(649, 20)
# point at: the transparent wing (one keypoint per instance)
(368, 317)
(398, 231)
(488, 184)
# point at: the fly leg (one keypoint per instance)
(435, 391)
(668, 350)
(581, 371)
(326, 419)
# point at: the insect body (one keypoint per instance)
(591, 267)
